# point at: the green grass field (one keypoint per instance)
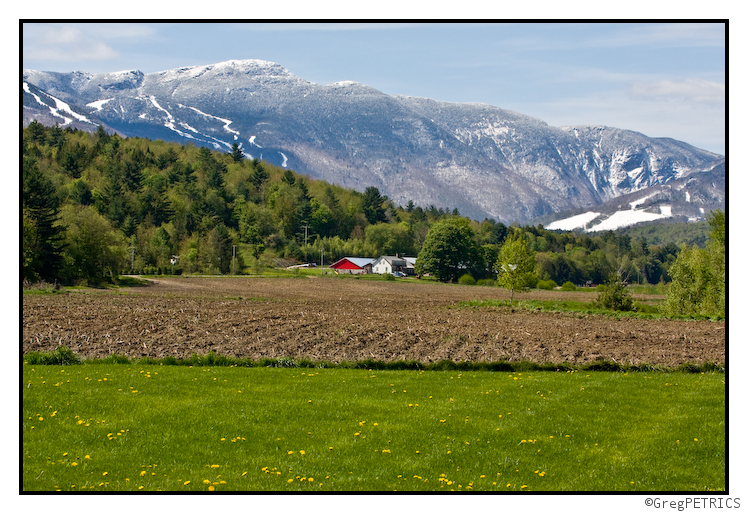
(133, 427)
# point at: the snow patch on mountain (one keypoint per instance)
(622, 219)
(99, 104)
(60, 109)
(26, 88)
(225, 121)
(574, 222)
(640, 201)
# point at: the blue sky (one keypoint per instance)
(661, 79)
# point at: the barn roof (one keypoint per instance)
(361, 262)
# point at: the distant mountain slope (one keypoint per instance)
(483, 160)
(689, 198)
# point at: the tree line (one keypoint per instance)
(96, 205)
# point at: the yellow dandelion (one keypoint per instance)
(73, 463)
(206, 482)
(302, 452)
(142, 473)
(105, 473)
(211, 488)
(186, 482)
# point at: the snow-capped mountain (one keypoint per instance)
(682, 199)
(483, 160)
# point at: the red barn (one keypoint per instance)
(353, 265)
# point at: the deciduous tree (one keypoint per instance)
(515, 264)
(698, 286)
(449, 251)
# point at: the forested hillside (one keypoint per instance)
(98, 205)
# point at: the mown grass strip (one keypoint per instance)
(64, 356)
(141, 427)
(579, 308)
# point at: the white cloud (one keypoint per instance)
(63, 43)
(698, 123)
(666, 35)
(689, 90)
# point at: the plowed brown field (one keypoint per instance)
(335, 320)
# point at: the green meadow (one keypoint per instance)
(148, 427)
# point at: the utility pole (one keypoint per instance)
(322, 260)
(306, 233)
(233, 260)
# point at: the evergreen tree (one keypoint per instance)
(373, 209)
(236, 153)
(259, 175)
(43, 235)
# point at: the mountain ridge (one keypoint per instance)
(484, 160)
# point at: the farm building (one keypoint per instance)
(353, 265)
(393, 264)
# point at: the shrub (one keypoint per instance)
(286, 362)
(646, 308)
(466, 280)
(61, 356)
(546, 284)
(614, 296)
(568, 286)
(486, 282)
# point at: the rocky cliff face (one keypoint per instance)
(483, 160)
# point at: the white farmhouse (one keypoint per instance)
(393, 264)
